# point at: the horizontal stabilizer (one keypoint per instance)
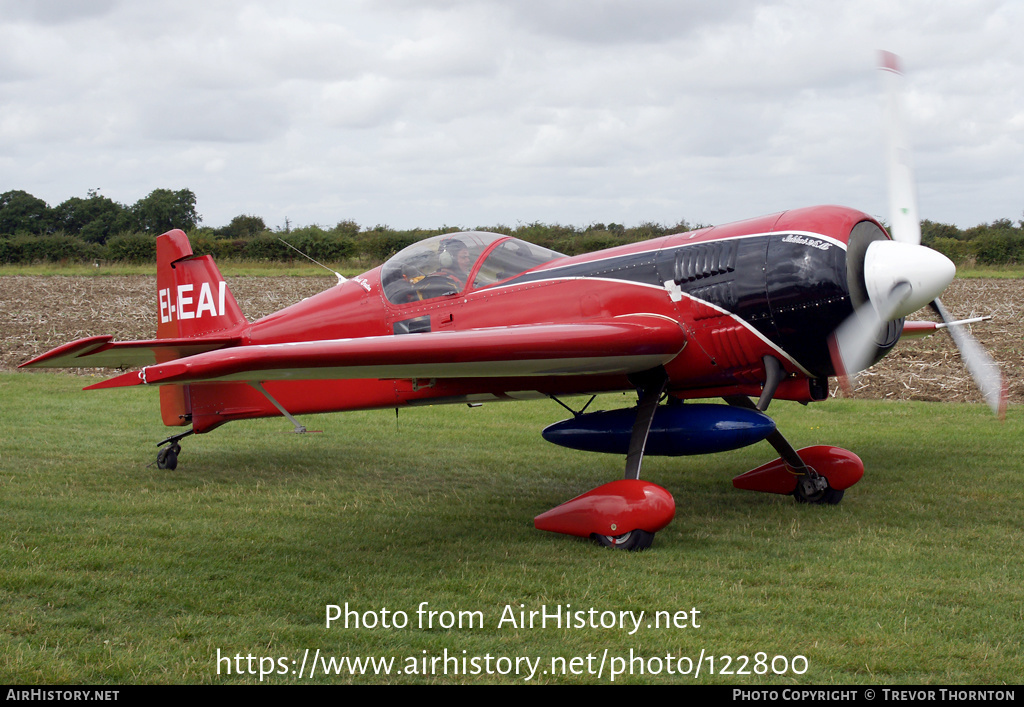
(919, 330)
(104, 352)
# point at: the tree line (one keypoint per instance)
(97, 228)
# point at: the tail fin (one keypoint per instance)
(193, 298)
(194, 301)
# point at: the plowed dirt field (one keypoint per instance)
(39, 313)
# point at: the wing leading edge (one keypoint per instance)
(618, 346)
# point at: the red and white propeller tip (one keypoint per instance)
(904, 223)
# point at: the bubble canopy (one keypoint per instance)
(457, 262)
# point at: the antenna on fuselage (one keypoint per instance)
(341, 278)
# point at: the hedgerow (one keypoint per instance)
(96, 228)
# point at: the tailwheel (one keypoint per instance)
(814, 489)
(167, 458)
(633, 541)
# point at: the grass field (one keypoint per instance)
(112, 571)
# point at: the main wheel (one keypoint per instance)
(167, 458)
(633, 541)
(826, 496)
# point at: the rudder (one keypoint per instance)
(193, 301)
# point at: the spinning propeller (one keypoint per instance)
(901, 276)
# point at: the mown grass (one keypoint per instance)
(116, 572)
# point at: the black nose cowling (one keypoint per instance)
(813, 285)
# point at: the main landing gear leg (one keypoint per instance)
(167, 458)
(651, 385)
(623, 514)
(842, 468)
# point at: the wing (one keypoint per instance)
(618, 346)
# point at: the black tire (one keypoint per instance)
(633, 541)
(826, 497)
(167, 458)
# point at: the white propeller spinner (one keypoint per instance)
(890, 263)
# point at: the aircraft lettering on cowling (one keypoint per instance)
(803, 240)
(750, 312)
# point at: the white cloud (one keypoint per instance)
(475, 112)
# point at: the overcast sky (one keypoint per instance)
(475, 113)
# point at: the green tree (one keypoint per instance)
(243, 226)
(20, 212)
(132, 248)
(347, 228)
(932, 232)
(94, 219)
(998, 243)
(164, 210)
(645, 231)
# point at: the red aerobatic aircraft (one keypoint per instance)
(747, 313)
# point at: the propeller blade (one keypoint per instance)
(854, 345)
(983, 369)
(904, 224)
(901, 275)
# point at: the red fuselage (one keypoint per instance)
(773, 286)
